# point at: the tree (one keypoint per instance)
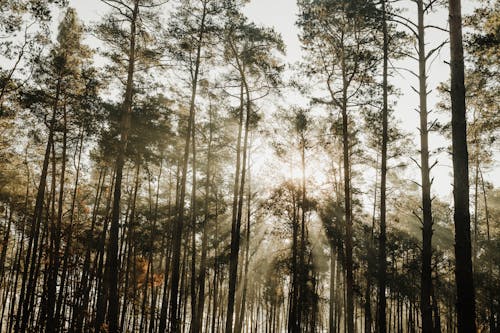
(382, 260)
(66, 64)
(335, 34)
(466, 311)
(193, 35)
(125, 33)
(249, 49)
(21, 17)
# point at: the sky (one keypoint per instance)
(282, 14)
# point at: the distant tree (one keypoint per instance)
(64, 85)
(126, 33)
(21, 43)
(249, 49)
(337, 38)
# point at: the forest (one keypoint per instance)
(179, 166)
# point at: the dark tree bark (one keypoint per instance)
(179, 223)
(204, 239)
(236, 226)
(426, 279)
(466, 310)
(382, 260)
(241, 314)
(27, 284)
(66, 256)
(112, 261)
(347, 207)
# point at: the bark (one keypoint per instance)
(216, 267)
(82, 290)
(66, 255)
(332, 306)
(303, 273)
(426, 279)
(162, 325)
(236, 227)
(27, 284)
(56, 235)
(382, 260)
(466, 311)
(292, 318)
(348, 208)
(112, 260)
(233, 255)
(179, 223)
(100, 291)
(5, 241)
(241, 314)
(151, 258)
(203, 268)
(194, 319)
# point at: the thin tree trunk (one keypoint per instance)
(82, 291)
(426, 279)
(66, 255)
(179, 223)
(348, 208)
(234, 220)
(194, 320)
(382, 260)
(203, 268)
(27, 284)
(112, 266)
(241, 315)
(151, 258)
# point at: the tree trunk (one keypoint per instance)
(66, 255)
(348, 208)
(204, 240)
(112, 266)
(241, 315)
(466, 311)
(426, 279)
(23, 312)
(194, 319)
(233, 259)
(382, 260)
(179, 223)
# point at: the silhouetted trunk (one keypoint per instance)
(466, 310)
(194, 319)
(236, 226)
(162, 325)
(347, 204)
(204, 239)
(5, 241)
(112, 260)
(426, 279)
(83, 294)
(233, 259)
(216, 267)
(27, 284)
(292, 311)
(100, 290)
(241, 315)
(491, 297)
(66, 255)
(152, 315)
(303, 273)
(382, 260)
(52, 323)
(179, 223)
